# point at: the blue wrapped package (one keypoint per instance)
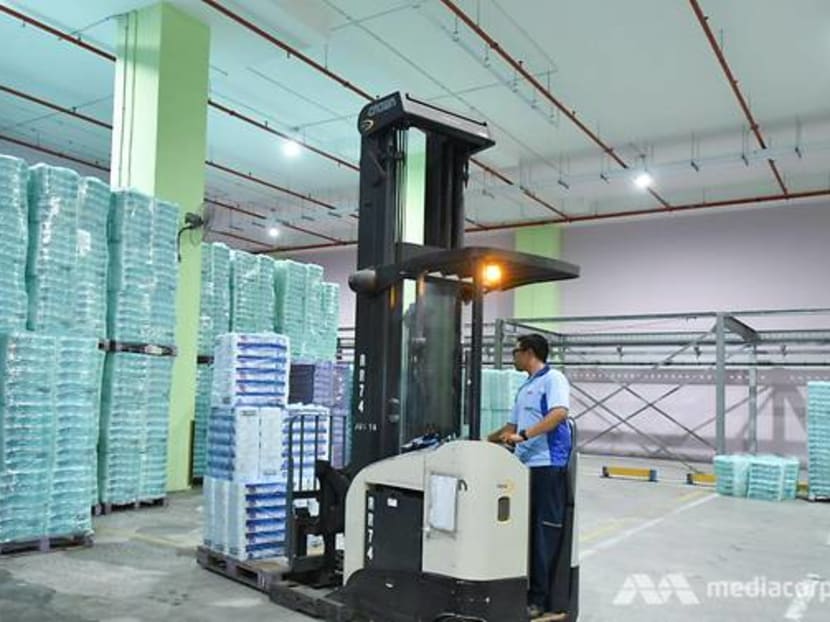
(245, 521)
(14, 175)
(308, 438)
(251, 369)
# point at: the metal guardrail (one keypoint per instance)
(752, 348)
(724, 349)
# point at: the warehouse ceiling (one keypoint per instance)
(721, 103)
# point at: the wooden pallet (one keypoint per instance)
(46, 544)
(103, 509)
(258, 574)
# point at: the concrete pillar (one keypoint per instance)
(159, 144)
(542, 299)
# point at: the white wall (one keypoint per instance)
(753, 258)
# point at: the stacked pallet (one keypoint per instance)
(732, 474)
(90, 279)
(49, 391)
(252, 293)
(134, 423)
(313, 312)
(325, 344)
(14, 176)
(250, 370)
(143, 270)
(245, 480)
(67, 256)
(215, 300)
(762, 477)
(204, 380)
(53, 248)
(769, 480)
(818, 439)
(307, 310)
(290, 278)
(141, 322)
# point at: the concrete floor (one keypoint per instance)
(142, 567)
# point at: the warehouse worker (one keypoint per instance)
(540, 433)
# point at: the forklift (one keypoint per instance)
(425, 506)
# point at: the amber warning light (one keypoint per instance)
(491, 274)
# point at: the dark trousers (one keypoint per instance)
(548, 497)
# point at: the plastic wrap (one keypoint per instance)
(49, 391)
(732, 474)
(772, 478)
(341, 411)
(132, 450)
(90, 280)
(245, 482)
(818, 438)
(14, 175)
(498, 392)
(291, 287)
(250, 369)
(204, 379)
(143, 270)
(329, 321)
(252, 292)
(308, 427)
(53, 248)
(312, 383)
(245, 520)
(215, 301)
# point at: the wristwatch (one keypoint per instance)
(523, 434)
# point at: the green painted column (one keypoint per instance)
(540, 300)
(159, 144)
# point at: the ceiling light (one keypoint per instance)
(291, 148)
(643, 180)
(273, 232)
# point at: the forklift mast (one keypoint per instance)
(387, 334)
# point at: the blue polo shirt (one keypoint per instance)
(542, 392)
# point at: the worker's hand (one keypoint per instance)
(511, 438)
